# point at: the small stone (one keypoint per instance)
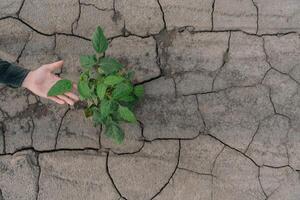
(137, 54)
(269, 144)
(53, 16)
(188, 186)
(283, 52)
(199, 154)
(132, 142)
(246, 63)
(103, 18)
(235, 15)
(140, 176)
(278, 16)
(19, 176)
(233, 115)
(196, 14)
(32, 99)
(77, 132)
(146, 18)
(231, 170)
(74, 175)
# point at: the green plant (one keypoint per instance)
(107, 87)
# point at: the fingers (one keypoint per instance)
(57, 100)
(66, 99)
(75, 87)
(72, 96)
(54, 66)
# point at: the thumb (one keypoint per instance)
(55, 66)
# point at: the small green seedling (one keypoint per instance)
(107, 87)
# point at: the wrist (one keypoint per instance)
(27, 81)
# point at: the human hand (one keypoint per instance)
(42, 79)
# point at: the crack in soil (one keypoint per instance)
(163, 14)
(19, 11)
(225, 60)
(212, 15)
(260, 184)
(111, 179)
(39, 175)
(257, 16)
(173, 173)
(59, 127)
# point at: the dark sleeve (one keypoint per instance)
(12, 75)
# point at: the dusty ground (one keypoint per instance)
(221, 116)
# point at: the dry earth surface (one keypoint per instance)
(220, 119)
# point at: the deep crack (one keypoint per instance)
(50, 150)
(38, 178)
(3, 130)
(163, 14)
(111, 179)
(22, 50)
(225, 60)
(253, 136)
(59, 127)
(257, 16)
(211, 171)
(20, 9)
(259, 181)
(173, 173)
(75, 23)
(201, 114)
(233, 148)
(212, 15)
(198, 173)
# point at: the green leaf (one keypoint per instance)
(127, 98)
(60, 87)
(113, 80)
(110, 65)
(121, 90)
(115, 132)
(88, 112)
(126, 114)
(105, 108)
(130, 75)
(101, 90)
(83, 88)
(97, 117)
(138, 91)
(88, 61)
(99, 41)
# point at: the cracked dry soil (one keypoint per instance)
(220, 119)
